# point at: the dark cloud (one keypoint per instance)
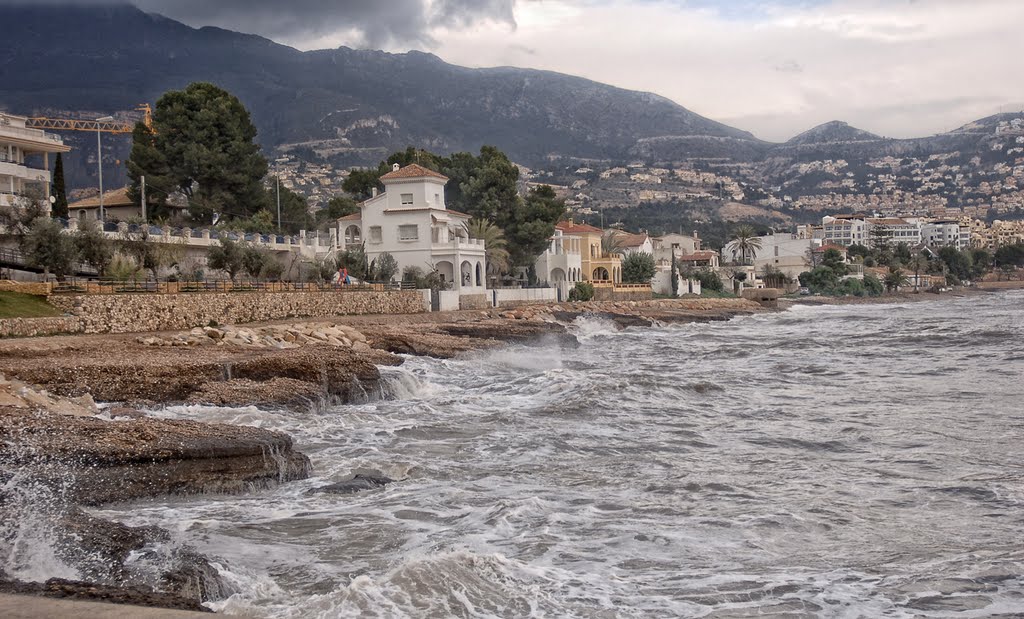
(366, 23)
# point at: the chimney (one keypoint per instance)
(373, 192)
(394, 167)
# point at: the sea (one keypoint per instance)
(824, 461)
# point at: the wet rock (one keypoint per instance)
(358, 483)
(276, 392)
(102, 461)
(93, 592)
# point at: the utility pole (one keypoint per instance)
(277, 176)
(99, 162)
(143, 179)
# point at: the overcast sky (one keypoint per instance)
(900, 68)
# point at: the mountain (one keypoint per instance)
(831, 133)
(352, 105)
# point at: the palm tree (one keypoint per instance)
(498, 261)
(612, 243)
(744, 242)
(919, 263)
(895, 279)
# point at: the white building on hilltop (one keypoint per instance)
(410, 221)
(17, 142)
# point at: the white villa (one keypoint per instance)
(16, 143)
(410, 221)
(561, 264)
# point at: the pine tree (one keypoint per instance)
(59, 191)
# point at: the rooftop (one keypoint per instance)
(413, 170)
(115, 197)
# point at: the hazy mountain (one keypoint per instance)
(832, 132)
(354, 104)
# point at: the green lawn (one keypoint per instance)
(18, 305)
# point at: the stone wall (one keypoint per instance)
(37, 288)
(31, 327)
(129, 313)
(514, 297)
(474, 301)
(608, 292)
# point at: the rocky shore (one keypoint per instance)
(59, 450)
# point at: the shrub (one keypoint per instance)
(709, 280)
(638, 268)
(583, 291)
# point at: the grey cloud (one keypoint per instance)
(367, 23)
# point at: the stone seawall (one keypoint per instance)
(31, 327)
(131, 313)
(474, 302)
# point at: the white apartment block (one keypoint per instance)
(943, 234)
(410, 221)
(18, 145)
(844, 231)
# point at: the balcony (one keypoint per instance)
(30, 134)
(458, 244)
(24, 173)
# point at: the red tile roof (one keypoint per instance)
(575, 228)
(631, 240)
(412, 170)
(706, 254)
(116, 197)
(352, 217)
(825, 248)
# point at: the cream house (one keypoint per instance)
(18, 144)
(410, 221)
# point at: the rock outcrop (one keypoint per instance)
(99, 461)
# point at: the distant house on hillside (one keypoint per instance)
(410, 221)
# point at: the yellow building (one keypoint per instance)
(597, 265)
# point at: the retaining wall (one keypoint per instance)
(129, 313)
(31, 327)
(474, 301)
(511, 297)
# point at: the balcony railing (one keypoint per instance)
(37, 134)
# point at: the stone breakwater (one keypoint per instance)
(134, 313)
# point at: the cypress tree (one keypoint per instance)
(675, 276)
(59, 191)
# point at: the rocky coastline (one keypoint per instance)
(60, 451)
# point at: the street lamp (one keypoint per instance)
(99, 161)
(276, 174)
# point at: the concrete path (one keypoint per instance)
(32, 607)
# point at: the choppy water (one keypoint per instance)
(857, 461)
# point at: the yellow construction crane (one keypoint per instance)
(111, 126)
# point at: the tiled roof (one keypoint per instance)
(412, 170)
(631, 240)
(706, 254)
(575, 228)
(825, 248)
(117, 197)
(352, 217)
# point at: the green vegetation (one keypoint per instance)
(45, 246)
(498, 259)
(59, 190)
(709, 281)
(202, 146)
(18, 305)
(638, 268)
(745, 243)
(228, 256)
(383, 268)
(583, 291)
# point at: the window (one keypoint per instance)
(410, 232)
(375, 234)
(406, 199)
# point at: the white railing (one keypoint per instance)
(38, 134)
